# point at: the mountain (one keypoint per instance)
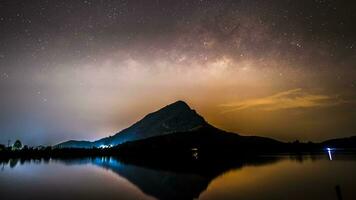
(177, 129)
(349, 142)
(206, 142)
(173, 118)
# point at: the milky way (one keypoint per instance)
(86, 69)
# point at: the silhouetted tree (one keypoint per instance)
(17, 144)
(2, 147)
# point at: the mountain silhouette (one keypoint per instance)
(173, 118)
(206, 142)
(349, 142)
(177, 131)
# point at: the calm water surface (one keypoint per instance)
(284, 177)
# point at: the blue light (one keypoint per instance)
(105, 146)
(329, 153)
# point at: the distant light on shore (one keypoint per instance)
(105, 146)
(329, 153)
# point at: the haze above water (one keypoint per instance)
(306, 177)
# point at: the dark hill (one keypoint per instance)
(349, 142)
(206, 141)
(173, 118)
(178, 129)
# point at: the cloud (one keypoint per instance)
(290, 99)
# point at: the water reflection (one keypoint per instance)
(171, 180)
(13, 162)
(189, 180)
(160, 184)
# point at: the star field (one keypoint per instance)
(86, 69)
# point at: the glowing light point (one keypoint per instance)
(105, 146)
(329, 153)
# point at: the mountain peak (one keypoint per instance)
(179, 102)
(178, 105)
(173, 118)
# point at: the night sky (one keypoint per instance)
(87, 69)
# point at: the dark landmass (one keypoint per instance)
(341, 143)
(210, 143)
(176, 117)
(204, 144)
(176, 132)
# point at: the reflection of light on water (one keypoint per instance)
(329, 152)
(195, 153)
(107, 162)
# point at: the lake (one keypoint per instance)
(270, 177)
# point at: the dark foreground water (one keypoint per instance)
(286, 177)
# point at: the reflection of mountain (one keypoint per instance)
(175, 181)
(160, 184)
